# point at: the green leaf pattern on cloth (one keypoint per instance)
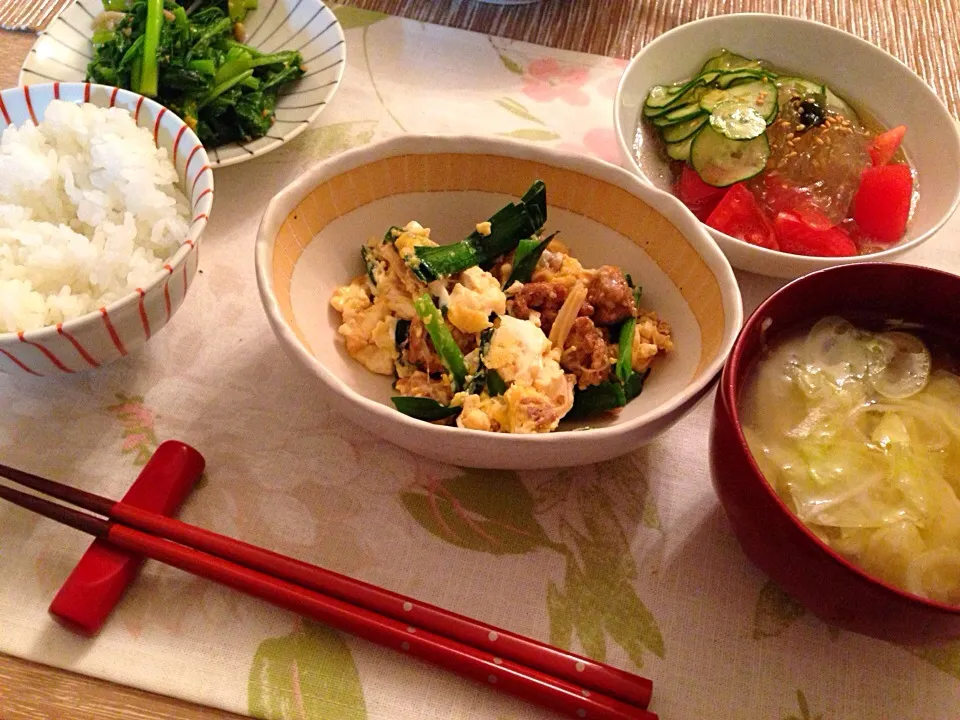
(494, 512)
(306, 675)
(326, 140)
(945, 657)
(511, 105)
(776, 611)
(511, 65)
(352, 17)
(804, 708)
(531, 134)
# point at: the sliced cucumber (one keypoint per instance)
(720, 161)
(682, 130)
(736, 77)
(800, 87)
(729, 61)
(679, 114)
(760, 95)
(660, 96)
(689, 94)
(736, 121)
(837, 104)
(681, 150)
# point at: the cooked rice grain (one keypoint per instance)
(89, 211)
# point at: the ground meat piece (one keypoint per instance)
(586, 353)
(545, 298)
(467, 342)
(610, 296)
(419, 350)
(419, 384)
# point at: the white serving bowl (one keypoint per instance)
(852, 67)
(120, 327)
(62, 49)
(309, 243)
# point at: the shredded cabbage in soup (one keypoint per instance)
(859, 433)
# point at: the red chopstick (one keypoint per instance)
(515, 664)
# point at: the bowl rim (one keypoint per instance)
(804, 263)
(426, 144)
(198, 221)
(728, 392)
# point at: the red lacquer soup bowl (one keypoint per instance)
(771, 536)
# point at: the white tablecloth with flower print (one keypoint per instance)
(638, 568)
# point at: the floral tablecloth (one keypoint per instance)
(631, 561)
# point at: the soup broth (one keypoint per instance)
(857, 429)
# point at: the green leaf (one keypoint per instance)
(632, 491)
(802, 703)
(511, 105)
(531, 134)
(327, 140)
(352, 17)
(561, 620)
(606, 590)
(309, 673)
(551, 493)
(776, 611)
(587, 613)
(945, 657)
(486, 511)
(511, 65)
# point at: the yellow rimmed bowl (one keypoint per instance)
(309, 243)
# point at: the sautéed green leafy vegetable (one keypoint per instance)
(189, 58)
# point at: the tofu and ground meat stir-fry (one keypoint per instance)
(504, 331)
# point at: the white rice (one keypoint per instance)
(89, 212)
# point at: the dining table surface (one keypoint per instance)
(923, 34)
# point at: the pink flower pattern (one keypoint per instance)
(547, 79)
(139, 438)
(599, 141)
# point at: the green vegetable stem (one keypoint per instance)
(149, 69)
(529, 252)
(507, 227)
(424, 408)
(443, 342)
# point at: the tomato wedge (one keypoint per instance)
(881, 206)
(808, 234)
(886, 144)
(739, 214)
(696, 194)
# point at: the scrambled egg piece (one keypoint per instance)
(540, 393)
(413, 235)
(484, 228)
(368, 328)
(473, 299)
(560, 268)
(651, 336)
(520, 352)
(482, 412)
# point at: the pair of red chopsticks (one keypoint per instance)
(530, 670)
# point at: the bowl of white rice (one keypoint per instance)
(103, 197)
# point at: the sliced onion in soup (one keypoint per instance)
(907, 372)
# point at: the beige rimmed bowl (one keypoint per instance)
(854, 68)
(309, 243)
(121, 327)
